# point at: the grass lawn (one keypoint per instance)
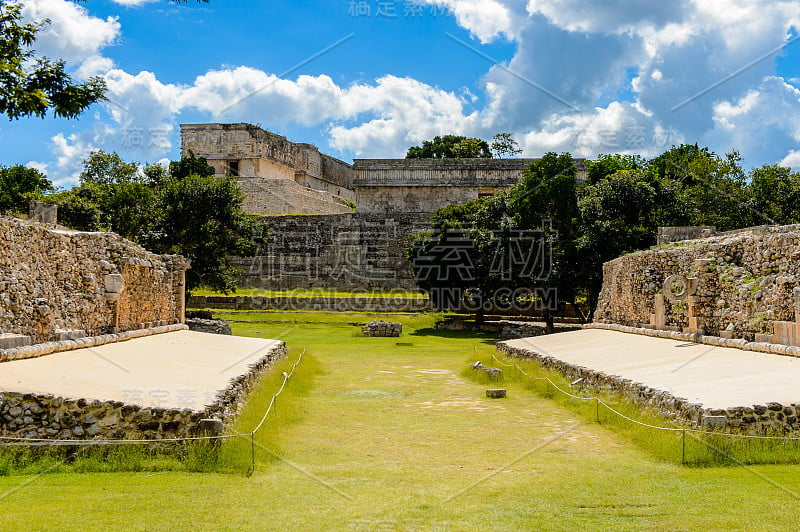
(380, 436)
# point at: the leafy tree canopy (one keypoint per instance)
(450, 147)
(31, 85)
(504, 144)
(194, 215)
(18, 185)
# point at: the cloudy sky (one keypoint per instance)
(369, 78)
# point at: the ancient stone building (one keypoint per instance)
(277, 176)
(364, 250)
(280, 177)
(425, 185)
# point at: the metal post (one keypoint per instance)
(252, 453)
(597, 409)
(683, 446)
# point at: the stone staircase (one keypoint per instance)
(271, 197)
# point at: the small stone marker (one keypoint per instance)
(383, 329)
(496, 394)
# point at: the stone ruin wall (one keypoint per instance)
(357, 252)
(58, 285)
(741, 285)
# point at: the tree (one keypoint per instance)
(18, 185)
(774, 193)
(191, 166)
(547, 195)
(620, 214)
(30, 85)
(606, 165)
(193, 215)
(201, 218)
(458, 261)
(504, 144)
(450, 147)
(106, 168)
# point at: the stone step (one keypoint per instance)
(12, 341)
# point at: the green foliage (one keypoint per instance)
(774, 191)
(197, 216)
(30, 85)
(191, 166)
(450, 147)
(18, 185)
(104, 168)
(201, 218)
(78, 208)
(606, 165)
(623, 201)
(504, 144)
(547, 195)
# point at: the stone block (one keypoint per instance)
(114, 283)
(496, 394)
(383, 329)
(211, 427)
(64, 334)
(715, 422)
(13, 341)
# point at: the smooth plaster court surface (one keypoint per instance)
(180, 370)
(715, 377)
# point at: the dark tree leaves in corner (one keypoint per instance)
(31, 85)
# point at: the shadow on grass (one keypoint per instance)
(486, 338)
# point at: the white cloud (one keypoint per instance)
(587, 80)
(761, 125)
(73, 34)
(94, 66)
(792, 160)
(37, 165)
(132, 3)
(618, 128)
(485, 19)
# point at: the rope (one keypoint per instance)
(44, 442)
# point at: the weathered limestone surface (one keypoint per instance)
(35, 416)
(54, 281)
(209, 326)
(738, 285)
(347, 252)
(762, 420)
(276, 175)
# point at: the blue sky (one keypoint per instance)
(589, 78)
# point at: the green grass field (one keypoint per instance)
(372, 435)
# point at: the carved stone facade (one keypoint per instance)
(346, 251)
(425, 185)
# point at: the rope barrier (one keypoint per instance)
(44, 442)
